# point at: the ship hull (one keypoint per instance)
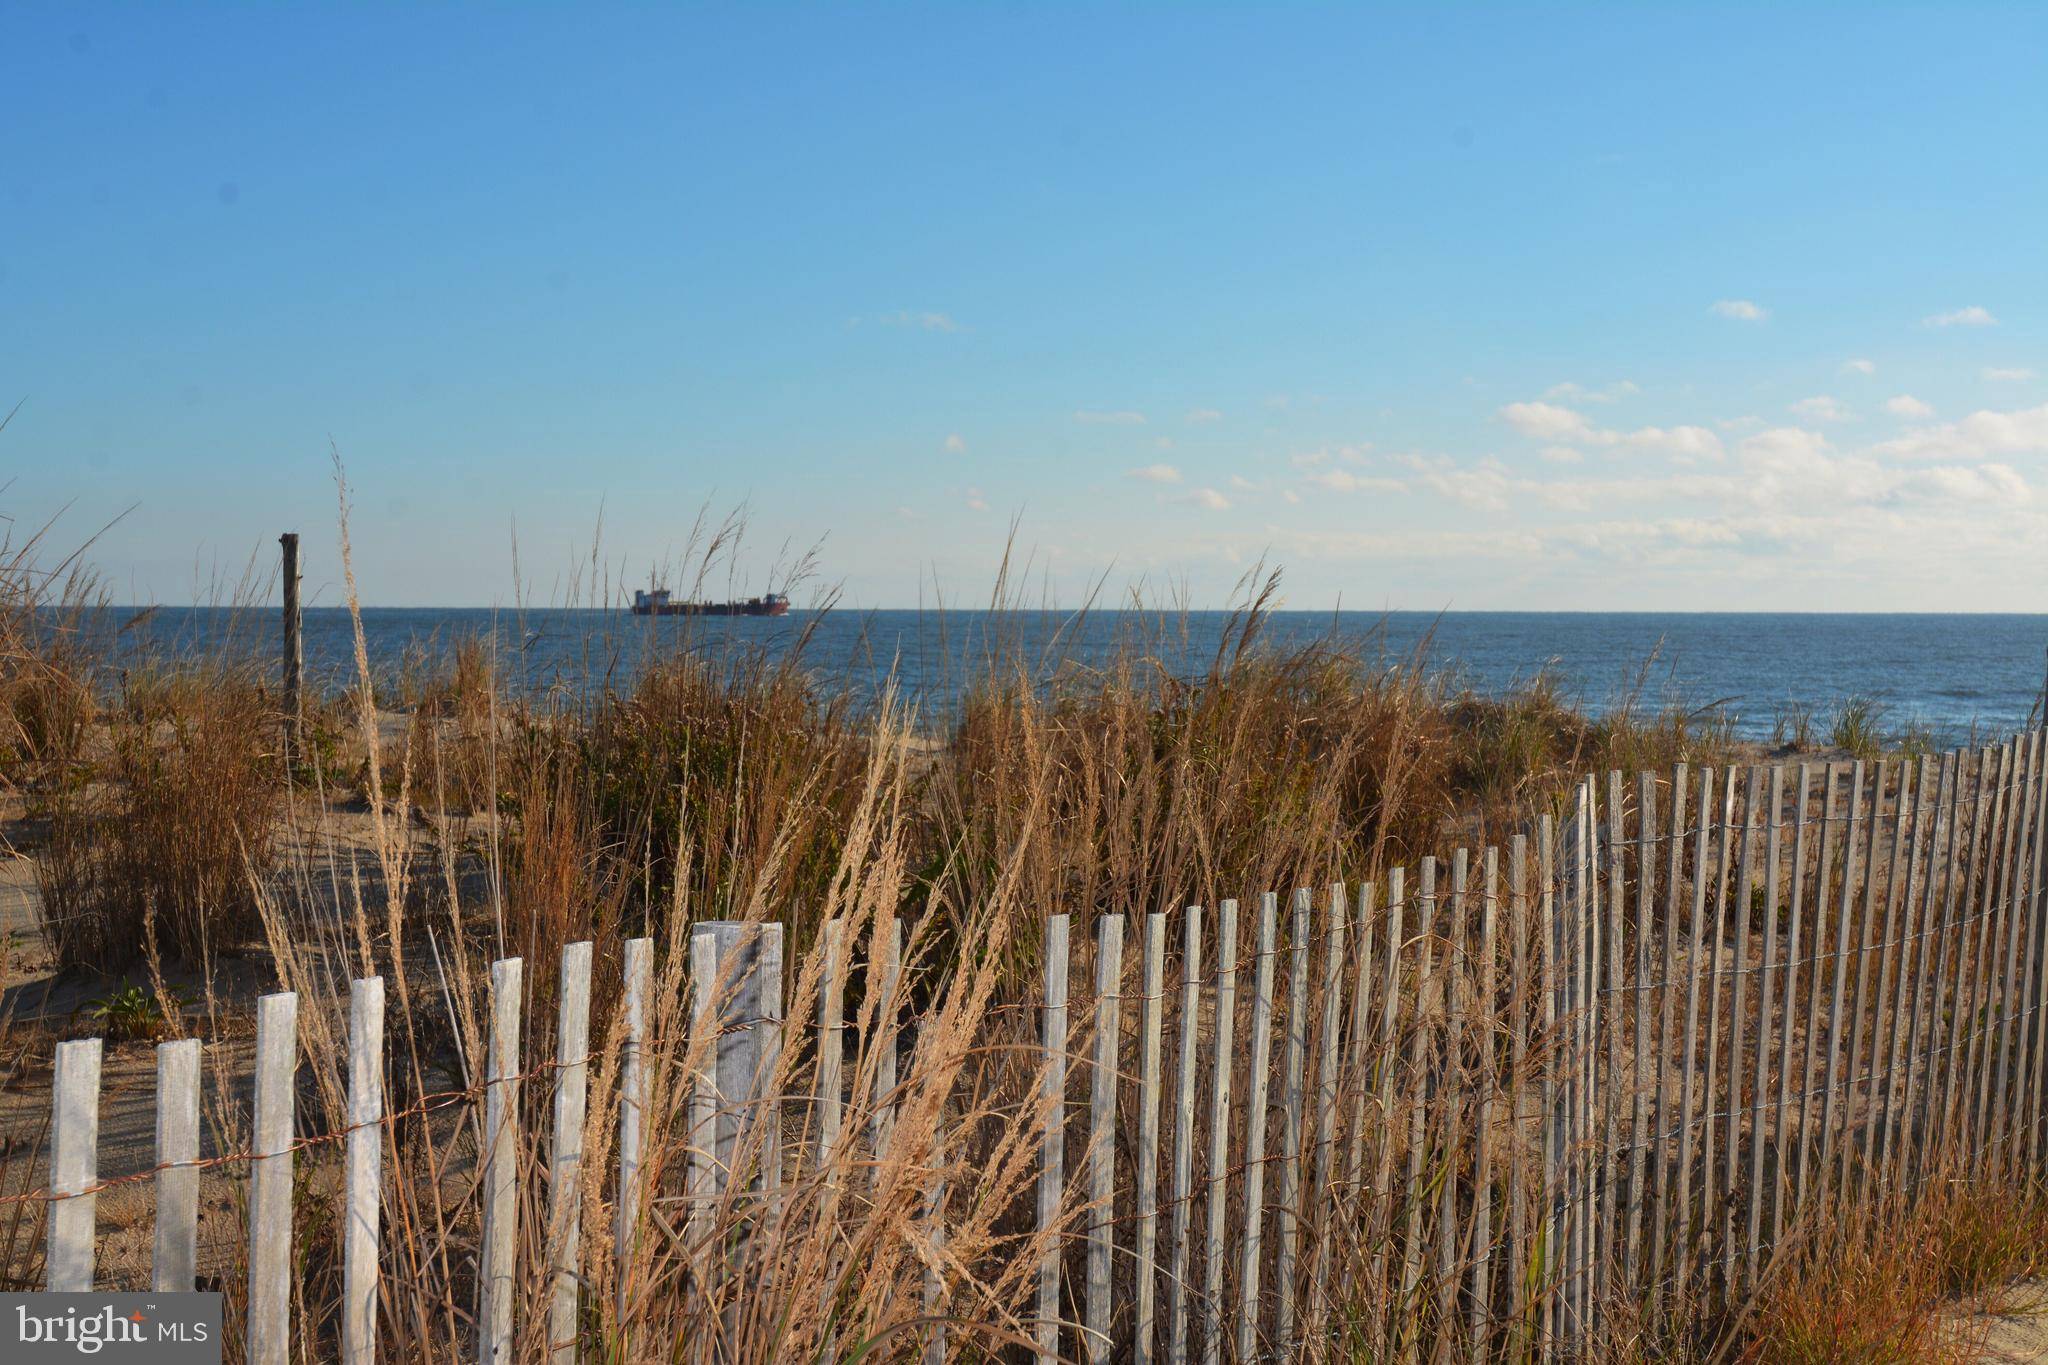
(711, 609)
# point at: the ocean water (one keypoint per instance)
(1952, 674)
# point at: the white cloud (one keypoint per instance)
(1859, 366)
(1680, 443)
(1100, 418)
(1570, 392)
(1561, 455)
(2007, 374)
(975, 501)
(1979, 436)
(1290, 495)
(956, 444)
(1820, 408)
(1560, 426)
(1546, 421)
(1244, 485)
(1154, 473)
(1205, 497)
(1973, 316)
(1906, 405)
(1199, 415)
(1344, 481)
(1742, 310)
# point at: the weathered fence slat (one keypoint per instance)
(1906, 980)
(1450, 1110)
(565, 1156)
(1287, 1203)
(1217, 1176)
(174, 1268)
(1390, 1016)
(638, 986)
(883, 985)
(1257, 1082)
(1144, 1257)
(1640, 1093)
(1325, 1204)
(1686, 1222)
(831, 1038)
(497, 1279)
(362, 1205)
(270, 1180)
(1052, 1173)
(1480, 1309)
(1667, 1024)
(1773, 855)
(74, 1166)
(1739, 972)
(1418, 1109)
(1180, 1268)
(1109, 967)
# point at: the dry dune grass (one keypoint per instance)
(743, 787)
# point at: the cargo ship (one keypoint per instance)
(657, 603)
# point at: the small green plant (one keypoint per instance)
(134, 1012)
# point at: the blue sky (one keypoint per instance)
(1473, 308)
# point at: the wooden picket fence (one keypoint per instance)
(1473, 1109)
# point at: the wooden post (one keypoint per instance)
(497, 1280)
(1520, 996)
(2034, 1054)
(294, 653)
(1109, 969)
(1418, 1113)
(1911, 966)
(1790, 993)
(1926, 1003)
(883, 1121)
(1450, 1113)
(362, 1207)
(1555, 1096)
(1287, 1205)
(270, 1180)
(747, 958)
(1807, 1154)
(175, 1267)
(1390, 1020)
(1217, 1177)
(1774, 852)
(1151, 1019)
(1361, 1023)
(639, 984)
(1835, 1002)
(1259, 1078)
(831, 1039)
(1481, 1307)
(1052, 1171)
(1731, 1170)
(1686, 1220)
(1890, 974)
(1181, 1266)
(565, 1159)
(74, 1166)
(2009, 1086)
(1641, 1093)
(1724, 824)
(1667, 1024)
(1323, 1199)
